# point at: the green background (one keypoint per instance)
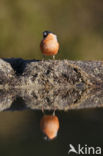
(77, 23)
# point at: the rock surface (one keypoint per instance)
(50, 84)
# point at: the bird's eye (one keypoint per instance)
(45, 34)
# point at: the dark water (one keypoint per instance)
(20, 132)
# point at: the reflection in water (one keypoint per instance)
(62, 100)
(49, 125)
(20, 132)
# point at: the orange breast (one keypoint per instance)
(50, 45)
(49, 125)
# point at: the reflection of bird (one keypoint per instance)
(49, 45)
(49, 125)
(72, 149)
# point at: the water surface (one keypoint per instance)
(20, 132)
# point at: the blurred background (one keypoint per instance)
(79, 27)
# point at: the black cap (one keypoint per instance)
(45, 33)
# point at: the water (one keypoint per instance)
(20, 132)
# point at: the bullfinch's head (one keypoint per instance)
(46, 33)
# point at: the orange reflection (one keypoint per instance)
(49, 125)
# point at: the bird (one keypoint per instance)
(49, 125)
(49, 45)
